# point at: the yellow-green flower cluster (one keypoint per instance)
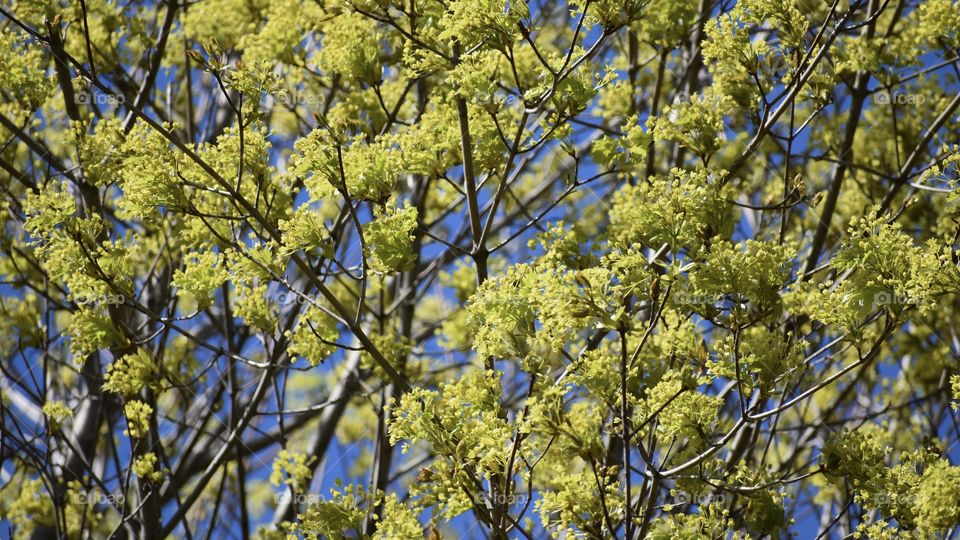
(56, 412)
(202, 274)
(389, 239)
(145, 467)
(292, 469)
(130, 374)
(138, 419)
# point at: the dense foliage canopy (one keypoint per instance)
(399, 269)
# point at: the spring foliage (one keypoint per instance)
(479, 268)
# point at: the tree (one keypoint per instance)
(479, 268)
